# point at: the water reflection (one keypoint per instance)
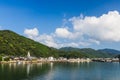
(13, 71)
(60, 71)
(50, 74)
(51, 65)
(28, 69)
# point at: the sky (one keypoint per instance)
(64, 23)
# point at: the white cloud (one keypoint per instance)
(94, 41)
(76, 44)
(85, 31)
(31, 33)
(62, 32)
(103, 28)
(52, 40)
(47, 39)
(43, 38)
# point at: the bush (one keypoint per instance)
(7, 59)
(0, 58)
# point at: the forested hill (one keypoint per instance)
(13, 44)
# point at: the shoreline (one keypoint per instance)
(64, 60)
(45, 61)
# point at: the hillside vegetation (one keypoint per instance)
(16, 45)
(13, 44)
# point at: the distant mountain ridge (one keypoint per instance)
(110, 51)
(93, 53)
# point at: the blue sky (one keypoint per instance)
(57, 23)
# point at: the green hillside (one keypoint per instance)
(14, 44)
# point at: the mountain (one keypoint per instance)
(14, 44)
(88, 52)
(113, 51)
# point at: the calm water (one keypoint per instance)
(60, 71)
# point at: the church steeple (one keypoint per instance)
(28, 55)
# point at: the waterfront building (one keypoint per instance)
(51, 58)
